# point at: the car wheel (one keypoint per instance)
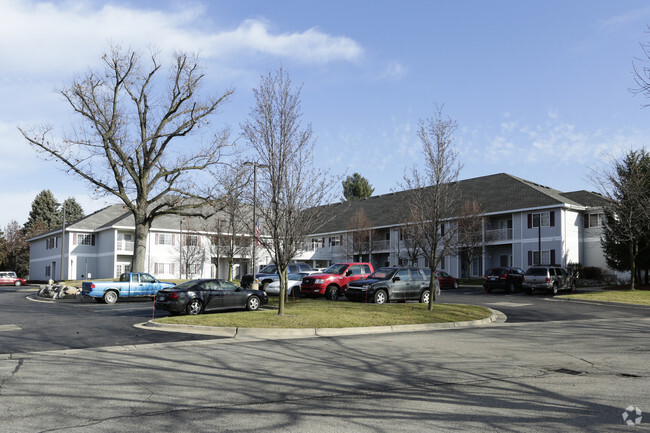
(253, 303)
(424, 297)
(511, 288)
(554, 290)
(194, 307)
(18, 284)
(110, 297)
(295, 292)
(381, 297)
(264, 285)
(455, 284)
(332, 293)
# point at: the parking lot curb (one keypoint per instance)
(289, 333)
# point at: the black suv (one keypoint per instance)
(391, 284)
(269, 274)
(506, 278)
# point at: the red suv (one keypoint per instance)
(334, 280)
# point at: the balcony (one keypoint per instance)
(125, 246)
(380, 245)
(498, 235)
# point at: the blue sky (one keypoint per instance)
(540, 89)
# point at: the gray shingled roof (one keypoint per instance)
(496, 193)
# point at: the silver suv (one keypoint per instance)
(548, 278)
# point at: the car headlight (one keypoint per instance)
(319, 281)
(365, 287)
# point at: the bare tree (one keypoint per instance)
(469, 237)
(124, 142)
(359, 237)
(192, 251)
(290, 189)
(232, 238)
(410, 239)
(432, 191)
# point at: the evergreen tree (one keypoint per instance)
(356, 187)
(45, 214)
(73, 211)
(626, 234)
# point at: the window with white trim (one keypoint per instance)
(594, 220)
(164, 239)
(85, 239)
(191, 240)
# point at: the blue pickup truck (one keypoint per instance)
(130, 285)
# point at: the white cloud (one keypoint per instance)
(48, 37)
(554, 143)
(394, 71)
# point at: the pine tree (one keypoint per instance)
(356, 187)
(45, 214)
(73, 210)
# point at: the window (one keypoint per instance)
(548, 257)
(85, 239)
(164, 239)
(191, 240)
(404, 275)
(48, 270)
(543, 219)
(366, 269)
(145, 278)
(594, 220)
(123, 268)
(335, 241)
(164, 268)
(355, 270)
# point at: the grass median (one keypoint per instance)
(320, 313)
(639, 297)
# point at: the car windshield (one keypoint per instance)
(382, 274)
(337, 269)
(295, 277)
(269, 269)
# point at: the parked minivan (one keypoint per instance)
(548, 278)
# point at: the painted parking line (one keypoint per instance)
(508, 304)
(9, 328)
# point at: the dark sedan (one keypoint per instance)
(202, 296)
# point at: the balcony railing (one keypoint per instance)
(498, 235)
(125, 246)
(380, 245)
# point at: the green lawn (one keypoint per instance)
(320, 313)
(641, 297)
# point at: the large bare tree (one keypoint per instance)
(431, 192)
(128, 143)
(290, 188)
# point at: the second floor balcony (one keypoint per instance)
(498, 235)
(124, 246)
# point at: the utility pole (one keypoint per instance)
(63, 243)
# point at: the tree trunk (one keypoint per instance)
(140, 246)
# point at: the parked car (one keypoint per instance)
(445, 280)
(9, 278)
(506, 278)
(294, 285)
(334, 281)
(201, 296)
(548, 278)
(131, 284)
(391, 284)
(269, 273)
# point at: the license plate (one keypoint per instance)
(161, 298)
